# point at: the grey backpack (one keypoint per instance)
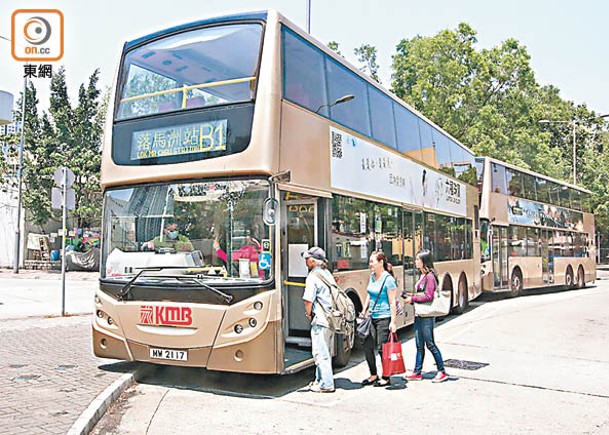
(342, 314)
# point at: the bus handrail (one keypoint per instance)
(296, 284)
(185, 89)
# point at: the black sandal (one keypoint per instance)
(367, 381)
(382, 383)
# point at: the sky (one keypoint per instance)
(567, 40)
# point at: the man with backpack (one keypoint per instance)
(318, 309)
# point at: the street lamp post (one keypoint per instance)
(309, 17)
(19, 183)
(340, 100)
(17, 250)
(573, 123)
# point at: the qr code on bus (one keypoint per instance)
(337, 145)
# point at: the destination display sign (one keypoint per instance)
(176, 140)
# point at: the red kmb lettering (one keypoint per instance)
(180, 316)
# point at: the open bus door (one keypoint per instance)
(499, 254)
(299, 233)
(547, 257)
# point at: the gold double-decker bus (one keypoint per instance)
(536, 231)
(234, 144)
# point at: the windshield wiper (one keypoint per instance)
(226, 297)
(127, 287)
(122, 294)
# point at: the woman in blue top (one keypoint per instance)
(380, 304)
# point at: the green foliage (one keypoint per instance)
(490, 100)
(366, 54)
(333, 45)
(66, 136)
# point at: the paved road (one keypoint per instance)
(544, 361)
(48, 374)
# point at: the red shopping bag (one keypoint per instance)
(393, 361)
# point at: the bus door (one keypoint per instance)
(547, 257)
(413, 243)
(499, 253)
(299, 233)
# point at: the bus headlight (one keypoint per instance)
(100, 314)
(258, 305)
(238, 328)
(253, 322)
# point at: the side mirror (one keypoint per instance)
(269, 214)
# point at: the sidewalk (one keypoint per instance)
(48, 274)
(38, 293)
(48, 373)
(528, 365)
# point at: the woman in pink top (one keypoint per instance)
(250, 250)
(423, 326)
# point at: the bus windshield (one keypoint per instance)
(211, 228)
(200, 68)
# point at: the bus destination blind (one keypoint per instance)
(200, 137)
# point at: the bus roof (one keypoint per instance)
(264, 16)
(536, 174)
(260, 15)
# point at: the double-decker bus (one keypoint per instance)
(255, 142)
(535, 231)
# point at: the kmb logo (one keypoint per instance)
(175, 316)
(37, 35)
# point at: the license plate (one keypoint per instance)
(170, 354)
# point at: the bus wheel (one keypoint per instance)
(516, 283)
(569, 278)
(462, 297)
(344, 344)
(581, 278)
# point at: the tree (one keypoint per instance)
(66, 136)
(487, 99)
(366, 54)
(490, 101)
(333, 45)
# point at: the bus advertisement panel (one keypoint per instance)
(524, 212)
(391, 176)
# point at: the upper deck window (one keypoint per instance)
(498, 178)
(200, 68)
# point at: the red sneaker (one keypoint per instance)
(414, 377)
(440, 377)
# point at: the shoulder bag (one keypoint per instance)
(364, 325)
(439, 306)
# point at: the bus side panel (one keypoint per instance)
(531, 270)
(305, 147)
(497, 209)
(449, 273)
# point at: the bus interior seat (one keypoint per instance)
(195, 102)
(205, 247)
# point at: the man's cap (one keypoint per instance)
(315, 252)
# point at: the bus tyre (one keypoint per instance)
(569, 283)
(581, 278)
(344, 344)
(516, 283)
(462, 297)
